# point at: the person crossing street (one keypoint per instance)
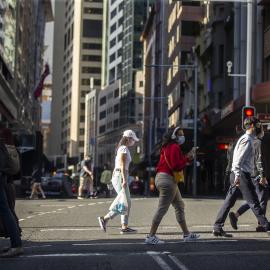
(240, 179)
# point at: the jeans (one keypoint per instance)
(117, 184)
(249, 194)
(8, 218)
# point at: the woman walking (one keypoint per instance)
(120, 180)
(36, 188)
(171, 159)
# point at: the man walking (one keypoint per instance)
(240, 179)
(260, 182)
(86, 178)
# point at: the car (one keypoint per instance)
(59, 184)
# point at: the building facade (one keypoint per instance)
(82, 61)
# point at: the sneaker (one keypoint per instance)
(233, 220)
(153, 240)
(102, 223)
(221, 233)
(127, 231)
(12, 252)
(191, 237)
(80, 198)
(260, 229)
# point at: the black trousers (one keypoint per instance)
(262, 193)
(249, 194)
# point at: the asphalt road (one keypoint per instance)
(64, 234)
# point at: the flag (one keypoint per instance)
(38, 90)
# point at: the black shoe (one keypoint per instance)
(12, 252)
(233, 220)
(128, 230)
(260, 229)
(221, 233)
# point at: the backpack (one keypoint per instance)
(9, 159)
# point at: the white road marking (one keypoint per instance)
(60, 209)
(22, 219)
(64, 255)
(211, 226)
(101, 202)
(30, 217)
(67, 229)
(162, 264)
(177, 262)
(91, 203)
(80, 205)
(142, 242)
(38, 246)
(56, 205)
(71, 206)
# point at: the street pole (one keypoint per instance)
(194, 182)
(249, 50)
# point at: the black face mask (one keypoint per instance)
(258, 131)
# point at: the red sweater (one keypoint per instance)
(177, 161)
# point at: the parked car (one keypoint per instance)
(58, 185)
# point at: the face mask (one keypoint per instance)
(131, 143)
(260, 135)
(258, 131)
(181, 139)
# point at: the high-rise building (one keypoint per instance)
(21, 55)
(124, 57)
(81, 58)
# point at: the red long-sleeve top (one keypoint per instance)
(177, 161)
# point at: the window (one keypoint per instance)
(113, 28)
(112, 42)
(95, 58)
(102, 101)
(92, 46)
(141, 84)
(93, 10)
(116, 108)
(85, 82)
(92, 28)
(102, 129)
(81, 143)
(81, 131)
(112, 57)
(82, 119)
(93, 70)
(102, 115)
(113, 13)
(116, 93)
(115, 123)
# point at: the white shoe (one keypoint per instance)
(191, 237)
(153, 240)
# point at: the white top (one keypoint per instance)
(243, 155)
(122, 150)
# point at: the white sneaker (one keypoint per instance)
(191, 237)
(153, 240)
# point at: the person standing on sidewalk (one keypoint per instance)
(240, 179)
(260, 182)
(86, 178)
(171, 159)
(120, 180)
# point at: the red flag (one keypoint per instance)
(38, 90)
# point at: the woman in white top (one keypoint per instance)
(120, 179)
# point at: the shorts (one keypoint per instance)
(85, 180)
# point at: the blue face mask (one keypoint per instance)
(181, 140)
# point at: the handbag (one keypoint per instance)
(120, 204)
(177, 175)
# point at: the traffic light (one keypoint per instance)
(247, 111)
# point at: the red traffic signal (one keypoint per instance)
(247, 111)
(223, 146)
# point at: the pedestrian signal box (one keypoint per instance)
(247, 111)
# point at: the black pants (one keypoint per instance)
(262, 193)
(249, 194)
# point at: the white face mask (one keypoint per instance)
(131, 142)
(181, 140)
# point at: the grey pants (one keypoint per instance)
(168, 194)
